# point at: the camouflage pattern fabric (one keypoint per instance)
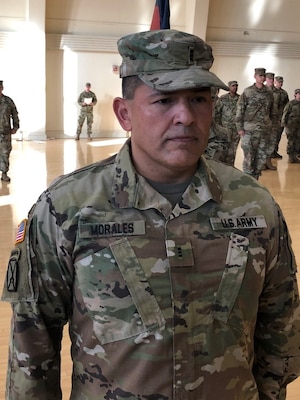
(218, 143)
(281, 98)
(271, 138)
(255, 113)
(291, 122)
(196, 301)
(8, 120)
(86, 111)
(224, 115)
(168, 60)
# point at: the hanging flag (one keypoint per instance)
(161, 15)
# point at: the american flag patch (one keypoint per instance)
(21, 231)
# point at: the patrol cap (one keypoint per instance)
(1, 83)
(270, 75)
(88, 84)
(168, 60)
(233, 83)
(260, 71)
(279, 78)
(297, 91)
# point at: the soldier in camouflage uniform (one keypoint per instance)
(281, 98)
(254, 116)
(175, 273)
(9, 124)
(291, 123)
(87, 100)
(272, 136)
(224, 115)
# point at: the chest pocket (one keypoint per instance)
(116, 293)
(232, 278)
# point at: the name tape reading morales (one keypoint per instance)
(112, 229)
(251, 222)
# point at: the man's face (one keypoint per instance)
(169, 131)
(233, 89)
(297, 96)
(278, 84)
(269, 81)
(260, 78)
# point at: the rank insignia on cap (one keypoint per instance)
(21, 231)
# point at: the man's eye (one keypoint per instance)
(164, 100)
(200, 99)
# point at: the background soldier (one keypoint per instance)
(9, 124)
(255, 113)
(87, 100)
(291, 123)
(224, 115)
(281, 98)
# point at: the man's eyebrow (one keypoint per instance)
(166, 93)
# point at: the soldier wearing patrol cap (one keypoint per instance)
(9, 124)
(255, 113)
(281, 98)
(86, 100)
(151, 256)
(291, 123)
(224, 115)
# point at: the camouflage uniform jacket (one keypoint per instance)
(225, 111)
(81, 101)
(281, 98)
(291, 115)
(8, 115)
(194, 302)
(255, 110)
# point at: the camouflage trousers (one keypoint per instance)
(5, 149)
(293, 141)
(271, 141)
(254, 145)
(89, 121)
(232, 147)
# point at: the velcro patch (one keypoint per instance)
(21, 231)
(246, 222)
(12, 271)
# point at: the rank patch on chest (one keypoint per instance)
(107, 229)
(21, 231)
(247, 222)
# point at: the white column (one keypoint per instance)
(196, 17)
(33, 121)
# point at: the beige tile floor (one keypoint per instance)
(34, 164)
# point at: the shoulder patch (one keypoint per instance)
(21, 231)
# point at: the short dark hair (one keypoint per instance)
(129, 86)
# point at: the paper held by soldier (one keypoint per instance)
(88, 100)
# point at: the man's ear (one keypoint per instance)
(120, 107)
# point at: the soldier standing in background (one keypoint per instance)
(255, 113)
(224, 115)
(291, 123)
(272, 137)
(87, 100)
(9, 124)
(281, 98)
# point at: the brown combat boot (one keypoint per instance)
(269, 165)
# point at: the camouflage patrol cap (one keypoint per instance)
(88, 84)
(279, 78)
(260, 71)
(233, 83)
(270, 75)
(168, 60)
(1, 83)
(297, 91)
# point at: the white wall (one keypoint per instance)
(81, 46)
